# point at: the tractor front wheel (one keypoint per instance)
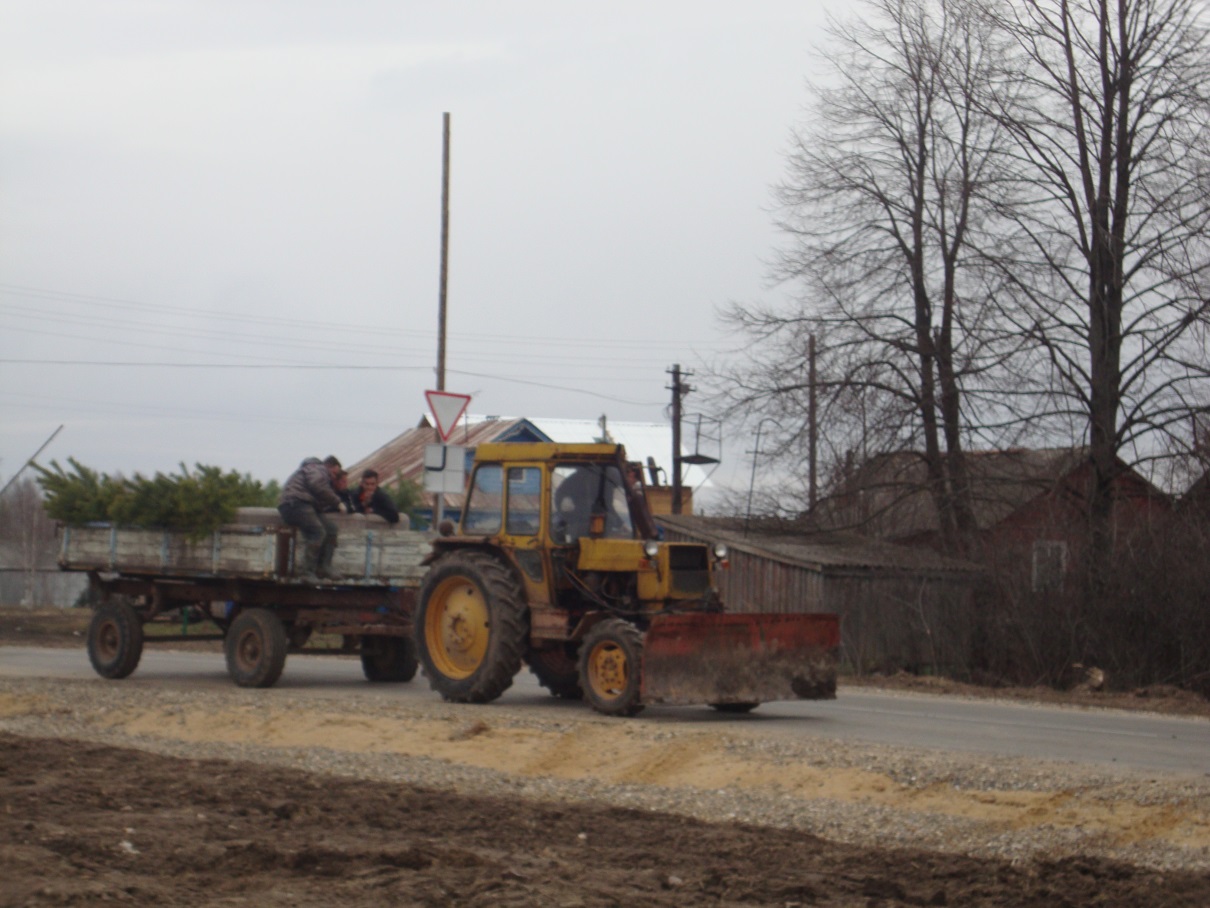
(611, 659)
(472, 627)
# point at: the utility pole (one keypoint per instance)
(439, 498)
(445, 248)
(679, 390)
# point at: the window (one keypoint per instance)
(578, 492)
(1050, 564)
(524, 516)
(485, 501)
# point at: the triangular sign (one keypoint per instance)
(447, 410)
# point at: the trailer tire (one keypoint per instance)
(115, 640)
(256, 645)
(388, 659)
(471, 627)
(557, 670)
(611, 660)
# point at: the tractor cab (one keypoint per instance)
(574, 521)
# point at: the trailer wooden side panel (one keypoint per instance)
(257, 547)
(231, 551)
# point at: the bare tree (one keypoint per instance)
(892, 181)
(1106, 105)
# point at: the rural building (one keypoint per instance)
(1030, 506)
(899, 607)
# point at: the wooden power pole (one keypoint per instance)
(679, 390)
(445, 249)
(439, 497)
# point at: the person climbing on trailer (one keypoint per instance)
(307, 495)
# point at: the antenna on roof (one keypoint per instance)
(698, 456)
(605, 437)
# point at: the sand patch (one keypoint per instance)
(626, 753)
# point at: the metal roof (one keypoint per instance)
(888, 494)
(404, 454)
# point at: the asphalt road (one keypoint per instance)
(1126, 740)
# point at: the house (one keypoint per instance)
(1030, 506)
(647, 443)
(900, 607)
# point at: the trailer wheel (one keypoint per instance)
(734, 707)
(256, 646)
(115, 640)
(388, 659)
(611, 660)
(472, 627)
(557, 671)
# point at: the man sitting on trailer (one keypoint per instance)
(369, 498)
(307, 494)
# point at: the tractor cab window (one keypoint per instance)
(481, 513)
(580, 491)
(524, 516)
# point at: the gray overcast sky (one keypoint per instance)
(258, 183)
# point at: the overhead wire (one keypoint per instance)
(273, 351)
(278, 324)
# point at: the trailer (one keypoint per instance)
(239, 585)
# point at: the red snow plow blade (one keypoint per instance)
(740, 658)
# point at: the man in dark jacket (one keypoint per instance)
(369, 499)
(307, 494)
(341, 485)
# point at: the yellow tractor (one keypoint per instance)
(557, 563)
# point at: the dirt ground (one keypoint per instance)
(87, 824)
(83, 824)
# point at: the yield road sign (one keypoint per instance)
(447, 410)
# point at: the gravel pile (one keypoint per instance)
(77, 710)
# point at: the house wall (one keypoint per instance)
(1061, 516)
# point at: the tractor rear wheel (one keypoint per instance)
(611, 659)
(256, 645)
(388, 659)
(472, 627)
(115, 640)
(556, 670)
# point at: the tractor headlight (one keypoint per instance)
(651, 548)
(720, 551)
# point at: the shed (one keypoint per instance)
(900, 607)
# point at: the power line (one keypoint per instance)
(312, 367)
(278, 323)
(350, 367)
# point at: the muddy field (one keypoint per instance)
(82, 824)
(89, 823)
